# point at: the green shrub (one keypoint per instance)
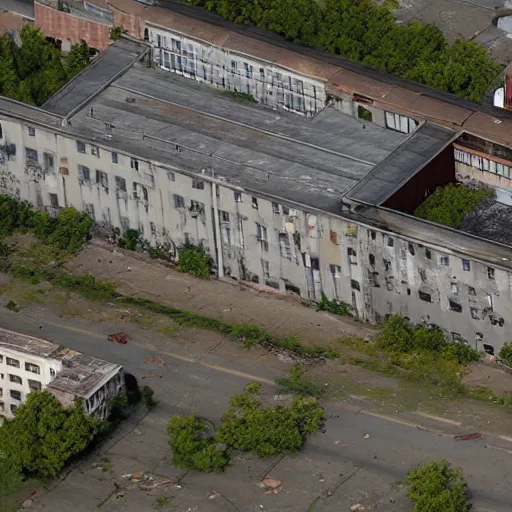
(13, 306)
(130, 240)
(249, 334)
(86, 285)
(11, 476)
(116, 32)
(192, 259)
(506, 354)
(462, 352)
(297, 385)
(332, 306)
(449, 205)
(269, 431)
(437, 487)
(28, 273)
(147, 397)
(192, 448)
(69, 230)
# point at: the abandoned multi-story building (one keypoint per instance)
(32, 364)
(305, 204)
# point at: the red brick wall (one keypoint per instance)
(63, 26)
(132, 23)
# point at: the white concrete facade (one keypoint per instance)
(267, 83)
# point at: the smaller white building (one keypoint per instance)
(32, 364)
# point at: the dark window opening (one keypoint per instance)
(255, 202)
(364, 114)
(373, 235)
(54, 200)
(455, 306)
(411, 248)
(292, 288)
(488, 349)
(474, 313)
(315, 263)
(371, 258)
(146, 34)
(428, 254)
(409, 291)
(466, 265)
(425, 296)
(490, 272)
(355, 285)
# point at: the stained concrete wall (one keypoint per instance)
(274, 243)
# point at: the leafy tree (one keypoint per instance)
(69, 230)
(36, 70)
(192, 448)
(268, 431)
(44, 435)
(449, 205)
(436, 487)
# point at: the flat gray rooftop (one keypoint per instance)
(312, 161)
(26, 344)
(402, 164)
(105, 68)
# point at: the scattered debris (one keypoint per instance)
(357, 508)
(127, 476)
(118, 337)
(154, 360)
(213, 495)
(270, 482)
(366, 436)
(120, 495)
(469, 437)
(340, 443)
(283, 398)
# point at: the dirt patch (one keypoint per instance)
(490, 376)
(218, 299)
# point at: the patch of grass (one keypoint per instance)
(163, 501)
(28, 273)
(360, 345)
(106, 465)
(374, 365)
(296, 384)
(169, 331)
(450, 204)
(249, 334)
(241, 97)
(193, 260)
(34, 296)
(86, 285)
(333, 306)
(13, 306)
(485, 394)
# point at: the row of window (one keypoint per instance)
(29, 367)
(34, 385)
(481, 163)
(13, 407)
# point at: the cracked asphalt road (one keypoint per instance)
(335, 471)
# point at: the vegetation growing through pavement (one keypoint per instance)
(363, 31)
(450, 204)
(44, 436)
(246, 426)
(437, 486)
(35, 70)
(191, 446)
(241, 97)
(116, 32)
(268, 431)
(147, 397)
(296, 384)
(192, 259)
(506, 354)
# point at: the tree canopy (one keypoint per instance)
(362, 31)
(44, 435)
(35, 70)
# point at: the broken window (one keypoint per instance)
(13, 408)
(34, 368)
(391, 242)
(171, 176)
(352, 256)
(95, 150)
(224, 216)
(120, 184)
(89, 208)
(490, 272)
(48, 161)
(455, 306)
(179, 202)
(335, 271)
(255, 202)
(15, 378)
(355, 285)
(15, 394)
(373, 235)
(31, 131)
(466, 265)
(488, 349)
(52, 372)
(54, 200)
(102, 180)
(423, 274)
(445, 261)
(80, 146)
(284, 245)
(455, 289)
(474, 313)
(489, 300)
(238, 197)
(134, 164)
(387, 265)
(428, 253)
(198, 184)
(31, 155)
(115, 158)
(197, 207)
(411, 248)
(425, 296)
(275, 208)
(261, 233)
(364, 114)
(34, 385)
(286, 210)
(371, 259)
(266, 269)
(84, 175)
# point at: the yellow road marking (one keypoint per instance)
(172, 355)
(438, 418)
